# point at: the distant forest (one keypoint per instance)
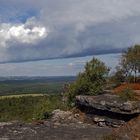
(33, 85)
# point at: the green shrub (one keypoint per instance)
(44, 109)
(91, 82)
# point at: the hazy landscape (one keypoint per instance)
(33, 85)
(69, 70)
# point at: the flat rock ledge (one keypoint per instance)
(48, 130)
(108, 109)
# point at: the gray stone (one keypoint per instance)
(110, 103)
(98, 119)
(101, 124)
(60, 116)
(108, 109)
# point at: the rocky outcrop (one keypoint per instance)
(109, 102)
(108, 109)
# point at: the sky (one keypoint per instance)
(57, 37)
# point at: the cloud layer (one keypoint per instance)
(60, 29)
(58, 67)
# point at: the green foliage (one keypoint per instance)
(29, 108)
(47, 105)
(91, 82)
(127, 94)
(117, 78)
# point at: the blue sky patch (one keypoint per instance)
(22, 16)
(13, 15)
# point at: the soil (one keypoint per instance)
(47, 131)
(130, 131)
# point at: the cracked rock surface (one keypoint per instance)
(47, 130)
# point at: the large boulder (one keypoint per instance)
(108, 109)
(108, 102)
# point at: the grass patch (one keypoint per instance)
(20, 95)
(28, 108)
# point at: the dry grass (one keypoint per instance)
(21, 95)
(135, 87)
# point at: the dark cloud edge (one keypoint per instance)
(90, 53)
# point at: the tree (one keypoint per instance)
(90, 82)
(118, 77)
(130, 62)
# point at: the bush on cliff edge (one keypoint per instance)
(90, 82)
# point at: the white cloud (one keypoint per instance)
(21, 33)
